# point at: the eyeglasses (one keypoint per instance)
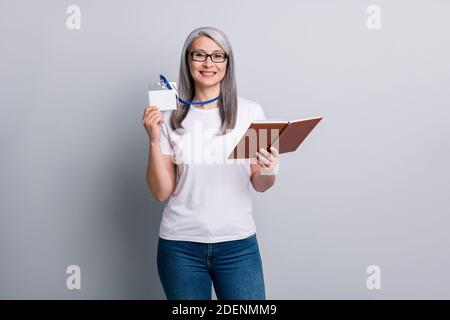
(217, 57)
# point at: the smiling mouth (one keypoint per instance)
(208, 74)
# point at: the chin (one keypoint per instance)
(211, 84)
(207, 83)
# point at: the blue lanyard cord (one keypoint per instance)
(168, 86)
(199, 102)
(165, 82)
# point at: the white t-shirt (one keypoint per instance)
(211, 201)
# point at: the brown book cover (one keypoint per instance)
(284, 135)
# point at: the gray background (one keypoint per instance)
(369, 186)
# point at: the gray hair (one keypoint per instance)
(186, 90)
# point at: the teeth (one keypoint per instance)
(207, 73)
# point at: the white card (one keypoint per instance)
(162, 98)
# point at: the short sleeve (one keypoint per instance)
(166, 147)
(259, 113)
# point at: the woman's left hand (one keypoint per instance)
(268, 161)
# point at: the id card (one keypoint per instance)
(162, 98)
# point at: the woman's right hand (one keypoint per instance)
(151, 120)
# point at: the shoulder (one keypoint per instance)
(252, 108)
(248, 104)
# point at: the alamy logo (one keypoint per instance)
(374, 279)
(204, 146)
(74, 19)
(74, 280)
(374, 19)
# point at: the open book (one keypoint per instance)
(284, 135)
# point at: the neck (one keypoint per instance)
(205, 94)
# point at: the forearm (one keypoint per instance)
(158, 177)
(262, 182)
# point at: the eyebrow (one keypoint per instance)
(205, 51)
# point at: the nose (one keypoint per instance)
(208, 61)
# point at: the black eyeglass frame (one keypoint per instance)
(208, 55)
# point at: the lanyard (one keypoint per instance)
(168, 86)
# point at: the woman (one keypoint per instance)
(207, 233)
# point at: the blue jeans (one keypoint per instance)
(188, 269)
